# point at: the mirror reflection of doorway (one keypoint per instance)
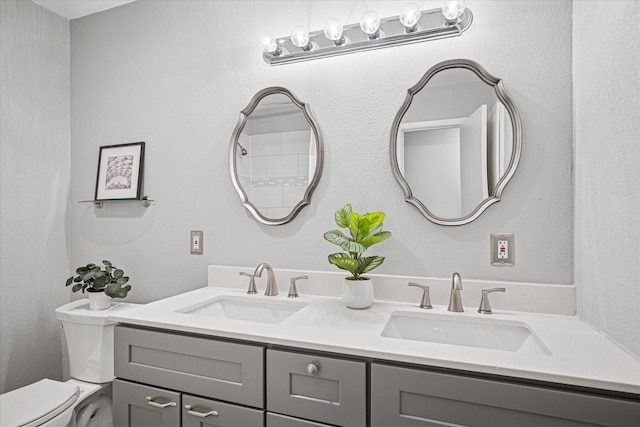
(454, 164)
(452, 183)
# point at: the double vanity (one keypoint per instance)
(219, 356)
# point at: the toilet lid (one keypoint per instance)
(36, 403)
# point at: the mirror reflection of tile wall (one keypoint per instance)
(276, 170)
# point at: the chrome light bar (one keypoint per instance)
(431, 25)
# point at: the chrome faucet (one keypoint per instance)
(455, 302)
(485, 307)
(425, 302)
(272, 285)
(252, 282)
(293, 290)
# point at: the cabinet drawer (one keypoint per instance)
(335, 394)
(199, 412)
(276, 420)
(403, 397)
(136, 405)
(206, 367)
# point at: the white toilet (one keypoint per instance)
(84, 400)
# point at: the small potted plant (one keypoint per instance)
(101, 284)
(364, 231)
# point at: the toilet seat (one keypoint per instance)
(87, 390)
(37, 403)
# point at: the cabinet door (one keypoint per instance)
(276, 420)
(221, 370)
(136, 405)
(199, 412)
(403, 397)
(325, 389)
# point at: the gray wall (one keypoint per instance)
(607, 167)
(177, 73)
(34, 151)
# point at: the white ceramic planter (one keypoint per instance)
(357, 294)
(99, 300)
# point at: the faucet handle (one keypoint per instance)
(485, 307)
(425, 302)
(293, 291)
(252, 282)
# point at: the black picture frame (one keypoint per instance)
(120, 173)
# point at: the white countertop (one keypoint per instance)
(580, 355)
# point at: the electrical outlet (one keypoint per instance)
(196, 242)
(502, 249)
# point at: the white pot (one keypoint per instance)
(357, 294)
(99, 300)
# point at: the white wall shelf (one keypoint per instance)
(145, 201)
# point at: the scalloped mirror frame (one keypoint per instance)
(516, 124)
(313, 182)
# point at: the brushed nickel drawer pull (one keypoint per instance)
(313, 368)
(159, 405)
(200, 414)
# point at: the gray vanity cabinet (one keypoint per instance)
(277, 420)
(318, 388)
(172, 379)
(136, 405)
(199, 412)
(187, 381)
(221, 370)
(404, 397)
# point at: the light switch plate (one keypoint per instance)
(196, 242)
(503, 249)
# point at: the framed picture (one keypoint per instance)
(120, 172)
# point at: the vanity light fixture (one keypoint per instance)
(453, 10)
(334, 31)
(270, 45)
(300, 38)
(370, 24)
(409, 17)
(411, 25)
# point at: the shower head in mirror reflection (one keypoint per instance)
(280, 159)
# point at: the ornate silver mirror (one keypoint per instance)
(276, 156)
(456, 142)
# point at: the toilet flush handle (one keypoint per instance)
(159, 405)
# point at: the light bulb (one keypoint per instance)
(370, 24)
(453, 10)
(300, 38)
(333, 31)
(270, 45)
(410, 16)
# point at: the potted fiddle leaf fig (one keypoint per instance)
(364, 231)
(101, 282)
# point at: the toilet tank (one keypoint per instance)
(89, 337)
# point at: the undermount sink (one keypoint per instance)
(245, 308)
(470, 332)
